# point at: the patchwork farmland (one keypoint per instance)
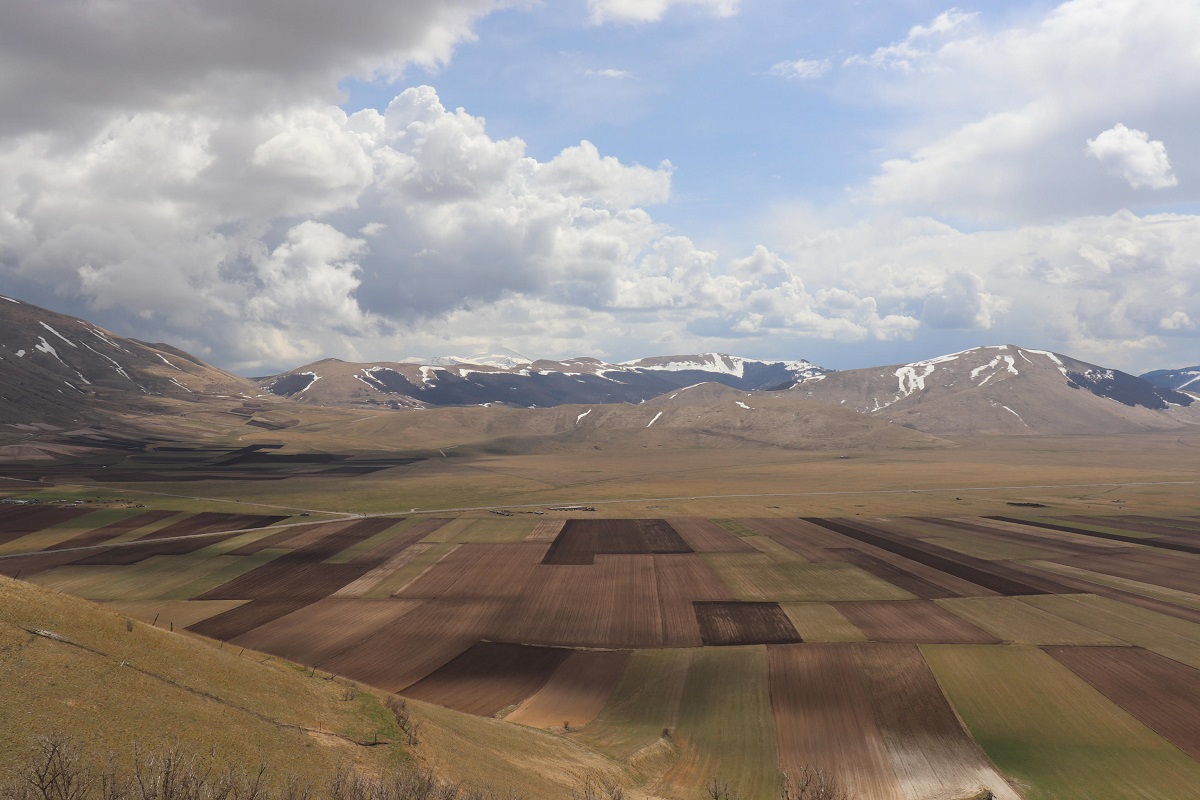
(912, 658)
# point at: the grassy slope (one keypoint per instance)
(110, 687)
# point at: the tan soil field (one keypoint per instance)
(821, 622)
(369, 582)
(576, 692)
(315, 633)
(1012, 620)
(176, 614)
(489, 677)
(645, 702)
(824, 719)
(245, 617)
(758, 577)
(113, 529)
(931, 753)
(705, 536)
(912, 621)
(546, 530)
(1180, 571)
(415, 645)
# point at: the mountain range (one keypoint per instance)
(59, 370)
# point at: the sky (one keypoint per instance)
(863, 183)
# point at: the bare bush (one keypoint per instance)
(717, 789)
(55, 772)
(594, 788)
(812, 783)
(408, 726)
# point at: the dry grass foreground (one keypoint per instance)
(70, 667)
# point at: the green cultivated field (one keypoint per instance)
(1060, 738)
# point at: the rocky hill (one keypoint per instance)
(1003, 389)
(56, 369)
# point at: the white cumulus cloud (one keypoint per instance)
(995, 114)
(653, 10)
(1130, 154)
(801, 69)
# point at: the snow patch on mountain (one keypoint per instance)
(45, 347)
(1007, 361)
(1054, 358)
(59, 335)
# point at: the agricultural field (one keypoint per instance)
(915, 658)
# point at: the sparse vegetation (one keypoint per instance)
(61, 769)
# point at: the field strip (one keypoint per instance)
(830, 493)
(339, 515)
(109, 488)
(184, 538)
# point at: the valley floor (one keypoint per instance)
(1020, 616)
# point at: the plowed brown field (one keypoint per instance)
(300, 574)
(576, 692)
(137, 552)
(399, 542)
(484, 572)
(27, 566)
(619, 601)
(824, 719)
(1171, 570)
(489, 677)
(317, 632)
(1063, 544)
(895, 575)
(406, 650)
(706, 536)
(211, 521)
(30, 519)
(912, 621)
(800, 536)
(581, 540)
(744, 623)
(1001, 578)
(1163, 694)
(289, 580)
(612, 603)
(113, 529)
(875, 717)
(236, 621)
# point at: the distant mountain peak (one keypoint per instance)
(1002, 389)
(509, 378)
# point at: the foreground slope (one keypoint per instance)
(70, 667)
(60, 369)
(1003, 389)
